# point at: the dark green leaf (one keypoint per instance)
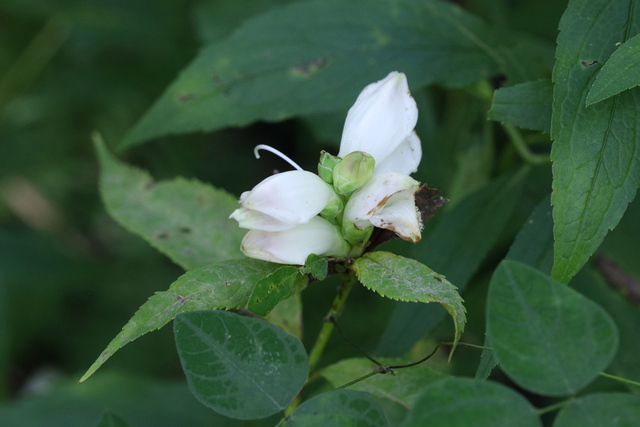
(463, 402)
(487, 361)
(274, 288)
(288, 316)
(601, 409)
(339, 408)
(624, 313)
(455, 246)
(526, 105)
(621, 72)
(596, 153)
(240, 367)
(110, 419)
(222, 285)
(405, 279)
(317, 266)
(142, 402)
(534, 243)
(186, 220)
(215, 20)
(307, 57)
(547, 337)
(402, 388)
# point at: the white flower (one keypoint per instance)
(386, 201)
(283, 201)
(293, 246)
(381, 123)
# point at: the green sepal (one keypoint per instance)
(326, 165)
(353, 172)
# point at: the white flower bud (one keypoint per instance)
(283, 201)
(381, 119)
(293, 246)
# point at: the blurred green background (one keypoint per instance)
(70, 277)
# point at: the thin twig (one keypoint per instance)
(622, 380)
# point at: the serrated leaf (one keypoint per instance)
(596, 149)
(339, 408)
(534, 243)
(184, 219)
(277, 286)
(621, 72)
(241, 367)
(526, 105)
(547, 337)
(601, 409)
(463, 402)
(456, 245)
(223, 285)
(307, 57)
(403, 387)
(404, 279)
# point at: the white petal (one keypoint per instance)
(404, 159)
(382, 117)
(370, 198)
(255, 220)
(401, 216)
(291, 197)
(293, 246)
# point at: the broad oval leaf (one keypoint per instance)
(184, 219)
(596, 149)
(339, 408)
(621, 72)
(222, 285)
(463, 402)
(278, 286)
(601, 409)
(307, 57)
(109, 419)
(534, 243)
(547, 337)
(526, 105)
(404, 279)
(403, 387)
(240, 367)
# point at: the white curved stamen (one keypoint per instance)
(276, 152)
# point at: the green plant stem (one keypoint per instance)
(521, 147)
(554, 407)
(623, 380)
(362, 378)
(26, 68)
(348, 279)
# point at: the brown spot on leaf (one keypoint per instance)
(308, 68)
(586, 64)
(186, 97)
(148, 186)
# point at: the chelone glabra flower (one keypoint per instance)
(297, 213)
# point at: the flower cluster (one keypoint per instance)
(293, 214)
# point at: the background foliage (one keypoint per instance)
(181, 92)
